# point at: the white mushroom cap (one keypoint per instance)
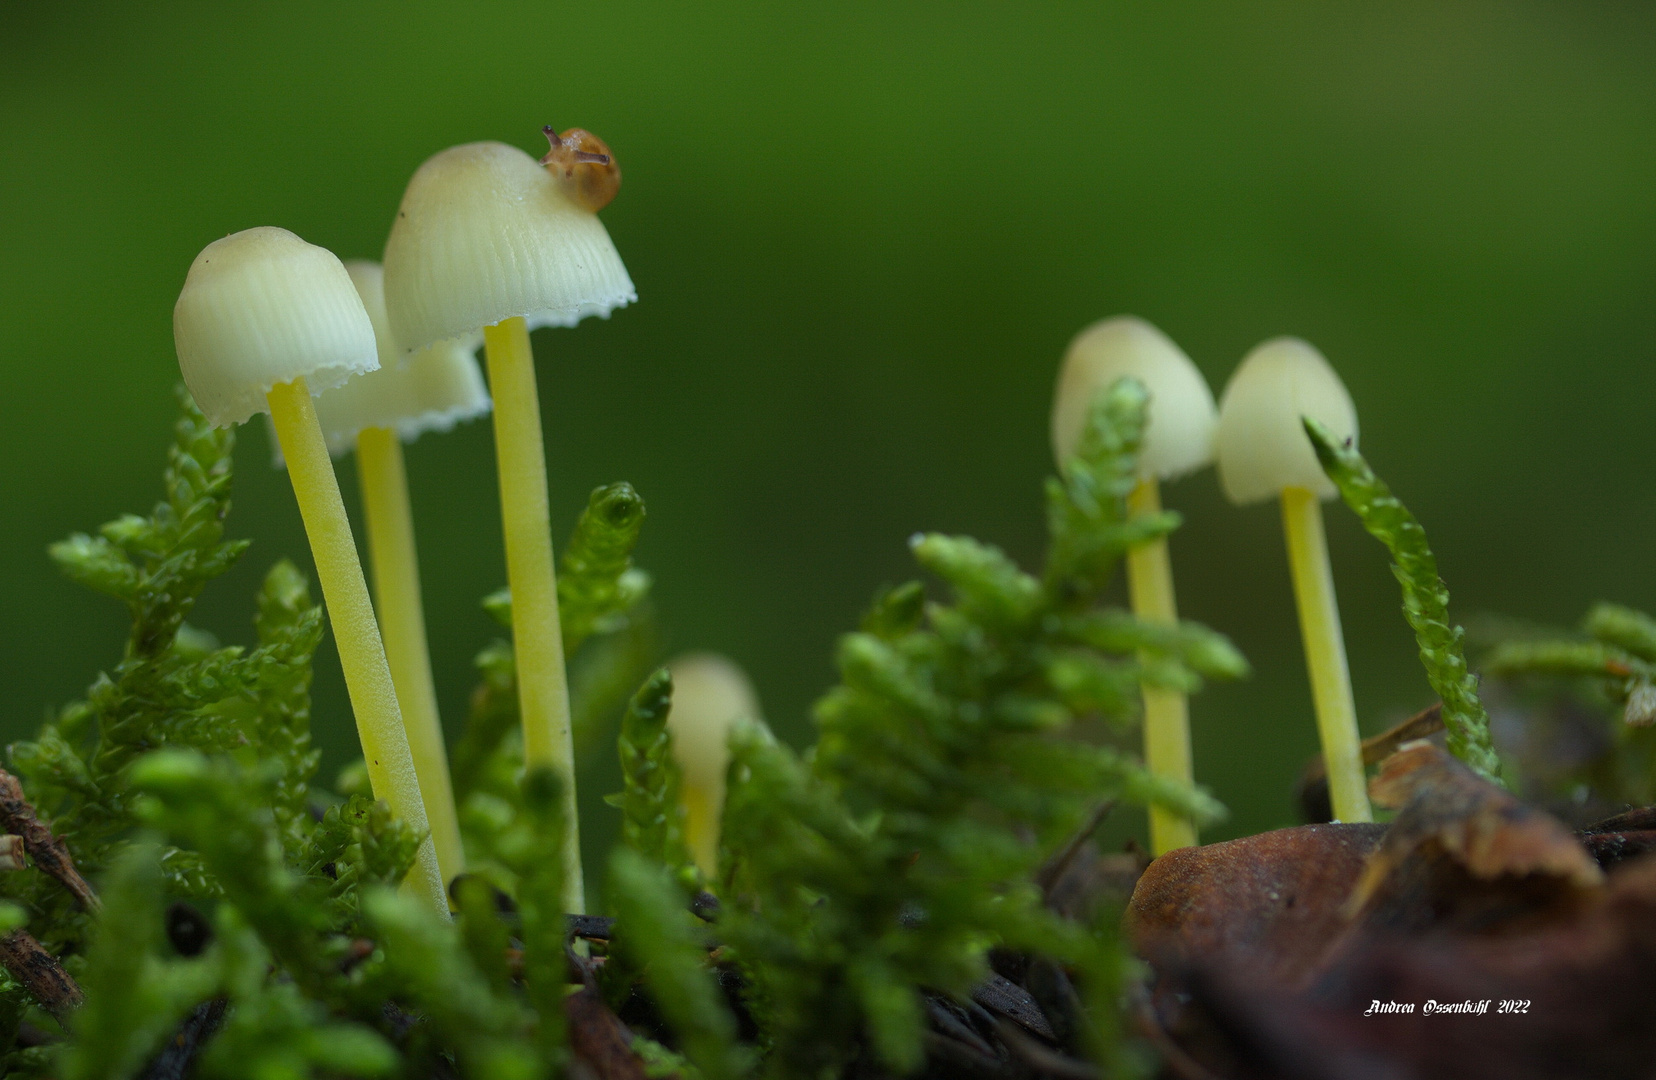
(1262, 445)
(710, 694)
(486, 234)
(262, 307)
(432, 390)
(1179, 437)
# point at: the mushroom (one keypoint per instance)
(263, 321)
(488, 238)
(710, 695)
(375, 413)
(1264, 453)
(430, 390)
(1178, 439)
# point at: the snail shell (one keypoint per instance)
(584, 164)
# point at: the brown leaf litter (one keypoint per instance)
(1335, 951)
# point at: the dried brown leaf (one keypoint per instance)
(1445, 807)
(1582, 988)
(1273, 900)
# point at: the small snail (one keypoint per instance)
(584, 164)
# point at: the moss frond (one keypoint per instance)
(1425, 598)
(659, 938)
(652, 818)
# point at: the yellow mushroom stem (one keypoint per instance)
(396, 570)
(391, 772)
(1166, 712)
(543, 691)
(702, 809)
(1325, 655)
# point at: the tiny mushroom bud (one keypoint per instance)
(488, 237)
(1178, 439)
(265, 319)
(710, 696)
(1264, 453)
(1262, 448)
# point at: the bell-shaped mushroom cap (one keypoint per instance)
(486, 234)
(262, 307)
(432, 390)
(1262, 445)
(710, 695)
(1179, 438)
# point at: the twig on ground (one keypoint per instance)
(1042, 1060)
(1053, 869)
(599, 1039)
(964, 1061)
(1179, 1063)
(48, 852)
(38, 970)
(177, 1059)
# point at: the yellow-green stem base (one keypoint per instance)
(1166, 712)
(391, 771)
(537, 635)
(396, 571)
(1325, 655)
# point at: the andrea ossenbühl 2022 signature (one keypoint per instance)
(1432, 1007)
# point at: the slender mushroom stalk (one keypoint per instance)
(264, 320)
(710, 696)
(1178, 440)
(376, 412)
(1263, 454)
(487, 237)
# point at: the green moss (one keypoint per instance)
(902, 850)
(661, 941)
(1609, 670)
(652, 818)
(884, 863)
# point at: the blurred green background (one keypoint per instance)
(862, 237)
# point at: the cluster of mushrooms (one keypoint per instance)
(487, 245)
(1257, 437)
